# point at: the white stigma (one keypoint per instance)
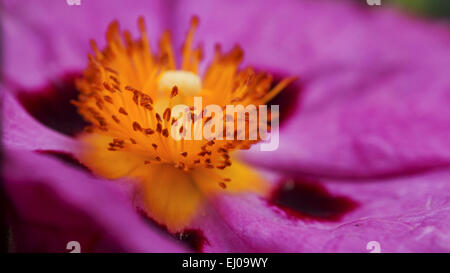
(187, 82)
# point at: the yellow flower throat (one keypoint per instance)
(127, 93)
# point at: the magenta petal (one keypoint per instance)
(375, 83)
(402, 215)
(219, 236)
(398, 125)
(52, 204)
(42, 38)
(302, 36)
(21, 131)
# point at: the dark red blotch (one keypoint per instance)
(51, 105)
(288, 99)
(65, 157)
(309, 200)
(193, 238)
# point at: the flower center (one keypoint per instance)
(128, 94)
(190, 83)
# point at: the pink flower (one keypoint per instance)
(364, 149)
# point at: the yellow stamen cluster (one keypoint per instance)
(127, 93)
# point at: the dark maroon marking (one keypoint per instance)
(309, 200)
(193, 238)
(4, 228)
(288, 99)
(51, 105)
(66, 158)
